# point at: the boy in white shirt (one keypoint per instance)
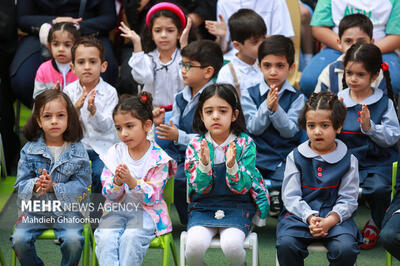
(247, 30)
(94, 100)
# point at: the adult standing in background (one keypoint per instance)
(8, 41)
(95, 17)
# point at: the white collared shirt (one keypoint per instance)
(247, 75)
(162, 80)
(99, 133)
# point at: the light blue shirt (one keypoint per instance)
(257, 120)
(346, 203)
(385, 134)
(183, 137)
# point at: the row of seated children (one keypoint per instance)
(219, 107)
(288, 68)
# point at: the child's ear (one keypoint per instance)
(339, 130)
(291, 68)
(209, 72)
(374, 77)
(104, 66)
(373, 41)
(147, 125)
(237, 45)
(38, 122)
(339, 44)
(235, 115)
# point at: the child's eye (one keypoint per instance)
(46, 116)
(349, 73)
(118, 128)
(93, 61)
(325, 125)
(61, 115)
(223, 111)
(281, 65)
(208, 112)
(267, 65)
(130, 126)
(310, 126)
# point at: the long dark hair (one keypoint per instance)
(371, 57)
(229, 94)
(74, 131)
(140, 107)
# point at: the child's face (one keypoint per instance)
(53, 120)
(351, 36)
(248, 51)
(131, 130)
(320, 131)
(217, 116)
(276, 69)
(88, 65)
(165, 34)
(193, 74)
(357, 78)
(60, 46)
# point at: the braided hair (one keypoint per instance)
(371, 57)
(324, 101)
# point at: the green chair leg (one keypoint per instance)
(174, 254)
(388, 259)
(166, 253)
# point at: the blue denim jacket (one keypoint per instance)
(71, 172)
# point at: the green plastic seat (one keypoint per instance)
(166, 241)
(49, 234)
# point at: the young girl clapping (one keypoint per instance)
(226, 191)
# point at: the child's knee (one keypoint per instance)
(345, 251)
(72, 239)
(20, 238)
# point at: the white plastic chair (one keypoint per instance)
(251, 242)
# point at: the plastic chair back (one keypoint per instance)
(294, 10)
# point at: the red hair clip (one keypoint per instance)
(385, 66)
(144, 98)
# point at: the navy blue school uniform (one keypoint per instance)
(375, 149)
(275, 133)
(182, 117)
(319, 185)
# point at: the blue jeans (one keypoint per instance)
(311, 72)
(97, 169)
(69, 235)
(123, 243)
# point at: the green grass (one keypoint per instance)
(51, 255)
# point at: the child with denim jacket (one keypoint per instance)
(135, 174)
(53, 167)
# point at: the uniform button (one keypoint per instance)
(319, 169)
(319, 174)
(359, 112)
(358, 119)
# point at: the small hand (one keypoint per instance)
(231, 155)
(217, 28)
(272, 98)
(56, 86)
(81, 100)
(46, 184)
(68, 19)
(183, 40)
(124, 175)
(365, 118)
(204, 153)
(315, 229)
(132, 35)
(168, 132)
(91, 104)
(158, 116)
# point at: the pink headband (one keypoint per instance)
(168, 6)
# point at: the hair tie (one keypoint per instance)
(168, 6)
(144, 98)
(385, 66)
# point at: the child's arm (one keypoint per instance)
(77, 185)
(240, 173)
(385, 134)
(346, 203)
(151, 187)
(257, 120)
(102, 120)
(26, 177)
(286, 123)
(291, 192)
(111, 190)
(198, 174)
